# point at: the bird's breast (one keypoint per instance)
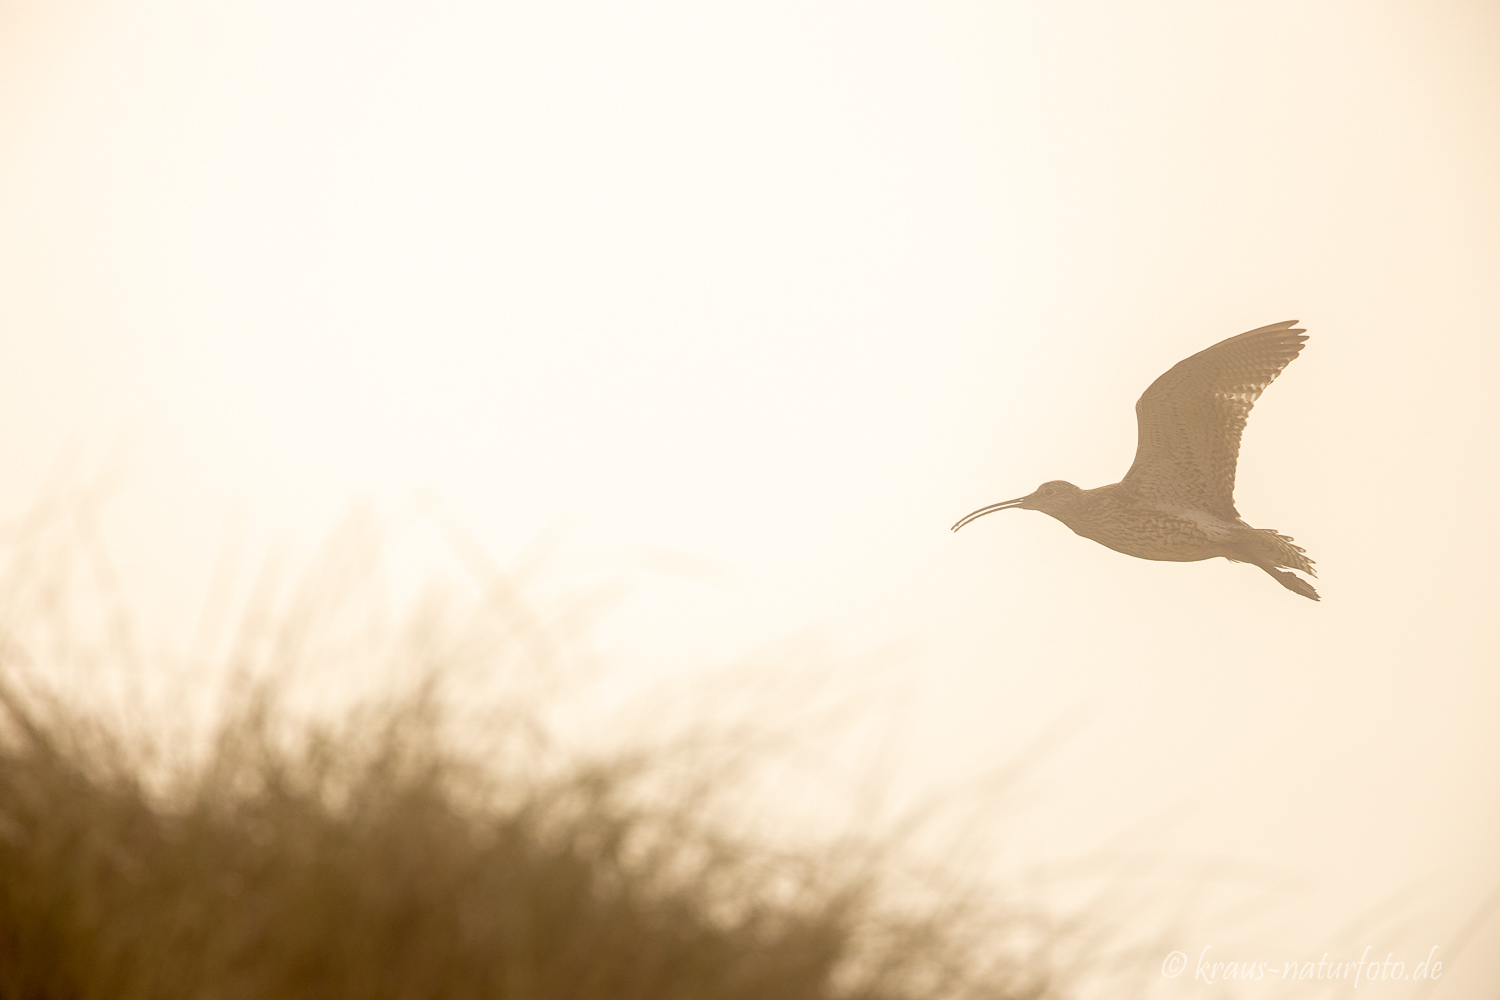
(1149, 532)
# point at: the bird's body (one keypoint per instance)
(1177, 501)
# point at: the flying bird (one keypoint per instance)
(1177, 501)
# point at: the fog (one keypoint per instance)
(745, 304)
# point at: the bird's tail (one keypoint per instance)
(1268, 546)
(1269, 550)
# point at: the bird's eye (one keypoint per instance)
(1049, 491)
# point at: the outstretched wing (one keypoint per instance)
(1190, 419)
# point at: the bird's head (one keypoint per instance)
(1057, 498)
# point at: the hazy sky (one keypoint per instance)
(748, 302)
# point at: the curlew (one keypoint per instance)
(1176, 503)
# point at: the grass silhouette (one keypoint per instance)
(406, 845)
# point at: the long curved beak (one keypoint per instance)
(988, 510)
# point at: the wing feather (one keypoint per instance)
(1191, 418)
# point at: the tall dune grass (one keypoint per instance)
(421, 841)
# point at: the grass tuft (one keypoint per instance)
(397, 848)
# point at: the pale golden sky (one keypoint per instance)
(750, 301)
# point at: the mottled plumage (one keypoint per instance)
(1177, 501)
